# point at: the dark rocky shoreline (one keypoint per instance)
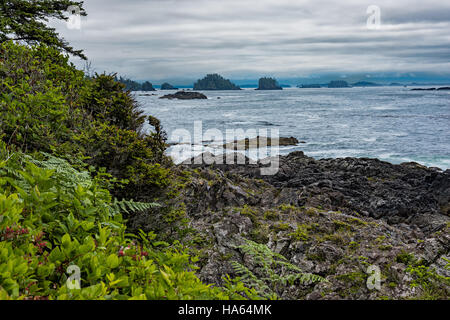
(397, 193)
(330, 217)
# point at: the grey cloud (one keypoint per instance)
(163, 39)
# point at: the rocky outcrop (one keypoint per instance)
(397, 193)
(215, 82)
(260, 142)
(147, 86)
(167, 86)
(333, 218)
(185, 95)
(268, 84)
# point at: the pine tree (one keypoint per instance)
(25, 20)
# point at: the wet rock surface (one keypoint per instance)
(408, 192)
(185, 95)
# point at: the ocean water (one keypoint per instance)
(393, 124)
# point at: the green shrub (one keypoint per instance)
(46, 104)
(48, 225)
(106, 99)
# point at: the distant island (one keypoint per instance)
(131, 85)
(338, 84)
(309, 86)
(366, 84)
(167, 86)
(215, 82)
(431, 89)
(268, 84)
(185, 95)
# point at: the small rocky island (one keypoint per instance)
(147, 86)
(431, 89)
(167, 86)
(309, 86)
(185, 95)
(365, 84)
(268, 84)
(215, 82)
(260, 142)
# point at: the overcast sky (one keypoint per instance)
(175, 39)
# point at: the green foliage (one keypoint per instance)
(125, 156)
(301, 233)
(106, 99)
(131, 85)
(268, 84)
(433, 285)
(47, 225)
(38, 90)
(26, 20)
(47, 105)
(405, 257)
(272, 271)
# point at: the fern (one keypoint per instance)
(130, 206)
(273, 271)
(63, 171)
(12, 171)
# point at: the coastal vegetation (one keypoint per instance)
(91, 207)
(268, 84)
(215, 82)
(131, 85)
(75, 164)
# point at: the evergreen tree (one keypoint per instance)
(25, 20)
(215, 82)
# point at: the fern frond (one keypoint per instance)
(273, 270)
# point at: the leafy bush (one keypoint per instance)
(38, 91)
(48, 225)
(46, 104)
(107, 100)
